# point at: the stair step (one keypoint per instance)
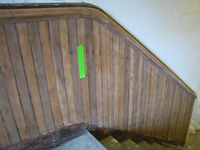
(157, 146)
(111, 143)
(130, 145)
(144, 145)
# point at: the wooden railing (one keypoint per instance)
(126, 87)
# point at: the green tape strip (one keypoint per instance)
(81, 61)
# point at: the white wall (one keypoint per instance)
(170, 29)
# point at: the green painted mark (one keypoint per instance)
(81, 61)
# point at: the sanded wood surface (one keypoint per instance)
(126, 87)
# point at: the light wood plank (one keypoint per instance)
(7, 115)
(97, 53)
(58, 68)
(84, 81)
(24, 44)
(126, 85)
(22, 86)
(75, 72)
(131, 92)
(41, 75)
(49, 69)
(64, 41)
(4, 140)
(116, 81)
(121, 83)
(11, 88)
(103, 45)
(110, 78)
(91, 69)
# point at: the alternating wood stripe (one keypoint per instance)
(11, 88)
(140, 89)
(110, 77)
(63, 28)
(91, 69)
(3, 135)
(75, 72)
(84, 81)
(58, 68)
(131, 92)
(18, 69)
(7, 115)
(126, 86)
(121, 84)
(103, 35)
(39, 69)
(116, 81)
(97, 53)
(24, 43)
(49, 69)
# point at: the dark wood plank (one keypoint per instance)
(18, 69)
(24, 44)
(97, 53)
(91, 69)
(126, 85)
(75, 72)
(7, 115)
(11, 88)
(49, 69)
(4, 140)
(103, 35)
(131, 90)
(121, 84)
(40, 72)
(58, 68)
(116, 80)
(84, 81)
(110, 78)
(64, 41)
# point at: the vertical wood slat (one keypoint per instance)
(58, 68)
(97, 53)
(7, 116)
(72, 26)
(84, 81)
(40, 72)
(121, 84)
(103, 36)
(91, 69)
(126, 85)
(131, 90)
(110, 78)
(116, 65)
(3, 135)
(19, 73)
(64, 41)
(49, 69)
(11, 88)
(24, 44)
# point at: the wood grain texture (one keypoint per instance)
(40, 72)
(97, 53)
(49, 69)
(84, 81)
(24, 43)
(11, 88)
(126, 87)
(18, 68)
(64, 41)
(3, 135)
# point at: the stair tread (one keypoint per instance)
(144, 145)
(130, 145)
(111, 143)
(157, 146)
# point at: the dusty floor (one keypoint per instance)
(194, 141)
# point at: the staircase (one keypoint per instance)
(110, 143)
